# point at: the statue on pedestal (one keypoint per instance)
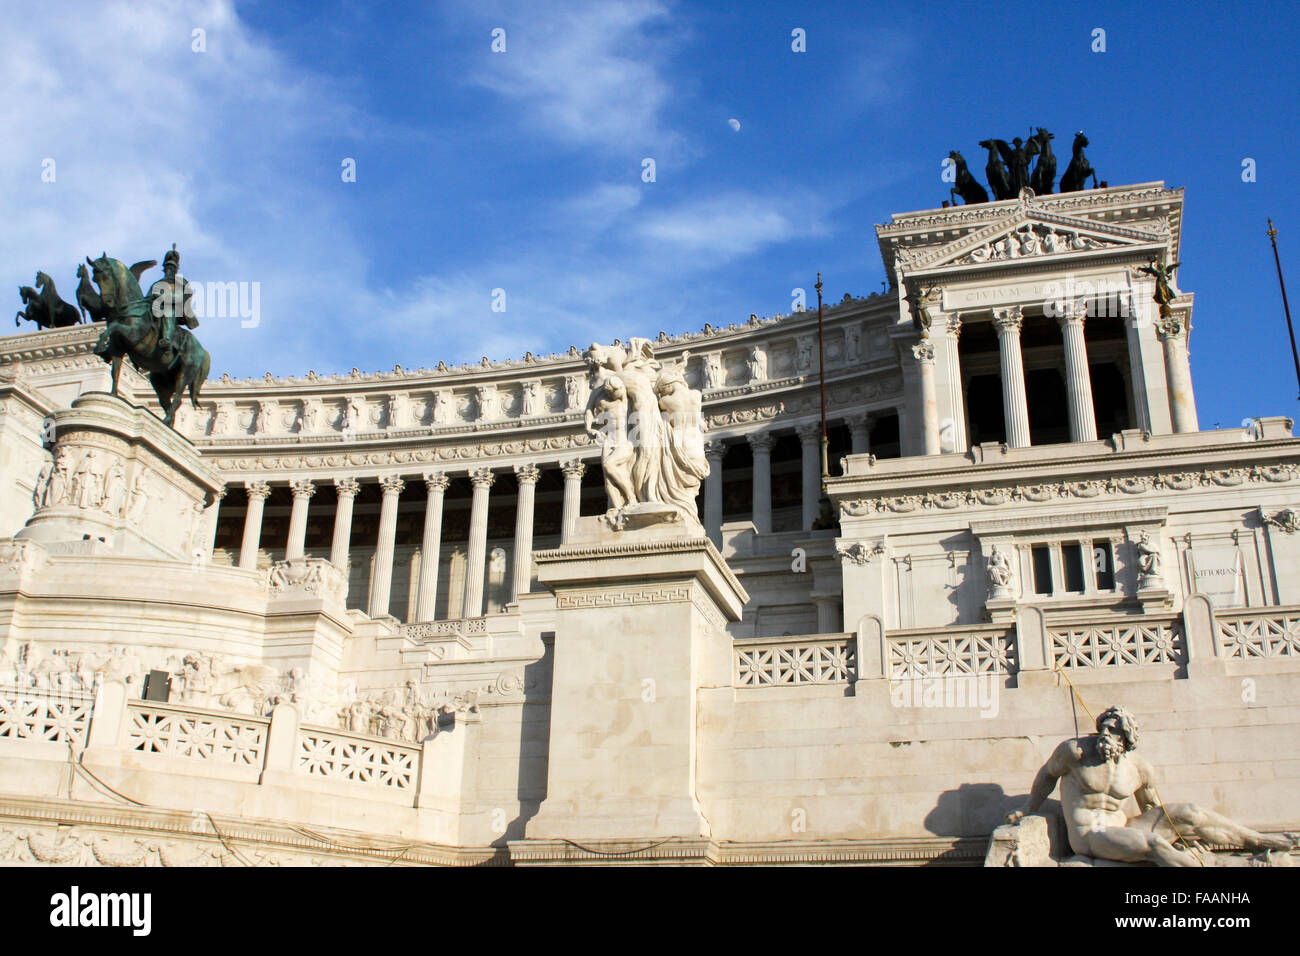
(1164, 293)
(148, 333)
(999, 574)
(1113, 810)
(1148, 558)
(653, 445)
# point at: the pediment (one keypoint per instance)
(1027, 233)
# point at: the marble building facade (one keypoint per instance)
(372, 561)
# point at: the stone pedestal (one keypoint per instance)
(121, 482)
(640, 627)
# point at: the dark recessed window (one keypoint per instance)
(1042, 558)
(1072, 562)
(1103, 559)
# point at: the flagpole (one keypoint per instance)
(821, 374)
(1295, 357)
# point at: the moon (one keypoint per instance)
(734, 124)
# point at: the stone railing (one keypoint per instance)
(811, 659)
(1118, 642)
(223, 738)
(1267, 632)
(357, 758)
(977, 649)
(157, 753)
(28, 713)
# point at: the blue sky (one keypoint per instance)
(522, 170)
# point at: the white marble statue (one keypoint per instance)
(115, 489)
(1113, 810)
(757, 364)
(659, 458)
(40, 491)
(1148, 556)
(529, 400)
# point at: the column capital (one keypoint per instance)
(1008, 319)
(436, 481)
(220, 493)
(924, 352)
(574, 468)
(952, 325)
(860, 420)
(347, 487)
(258, 489)
(303, 487)
(1171, 325)
(527, 474)
(761, 441)
(482, 478)
(809, 432)
(392, 485)
(714, 448)
(1073, 313)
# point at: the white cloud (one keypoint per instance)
(587, 75)
(736, 223)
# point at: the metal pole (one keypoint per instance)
(821, 374)
(1295, 357)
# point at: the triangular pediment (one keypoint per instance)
(1029, 233)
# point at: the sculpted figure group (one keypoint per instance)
(98, 483)
(647, 420)
(1007, 169)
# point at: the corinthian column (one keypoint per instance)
(573, 471)
(1015, 404)
(810, 444)
(1078, 381)
(302, 492)
(210, 529)
(956, 405)
(761, 444)
(435, 484)
(1172, 329)
(382, 583)
(859, 433)
(713, 452)
(347, 489)
(527, 476)
(258, 491)
(476, 553)
(923, 351)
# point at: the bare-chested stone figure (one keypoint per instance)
(1111, 808)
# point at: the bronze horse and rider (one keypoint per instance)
(1007, 169)
(152, 329)
(137, 327)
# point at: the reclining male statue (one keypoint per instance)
(1111, 808)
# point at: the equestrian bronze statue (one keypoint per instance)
(137, 328)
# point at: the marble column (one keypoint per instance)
(212, 516)
(1015, 404)
(476, 554)
(713, 453)
(341, 544)
(573, 470)
(860, 433)
(1078, 380)
(381, 584)
(258, 491)
(760, 444)
(1172, 329)
(527, 476)
(923, 352)
(302, 490)
(949, 335)
(435, 485)
(810, 436)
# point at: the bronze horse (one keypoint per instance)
(996, 173)
(1044, 174)
(134, 330)
(1076, 174)
(966, 186)
(88, 300)
(45, 308)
